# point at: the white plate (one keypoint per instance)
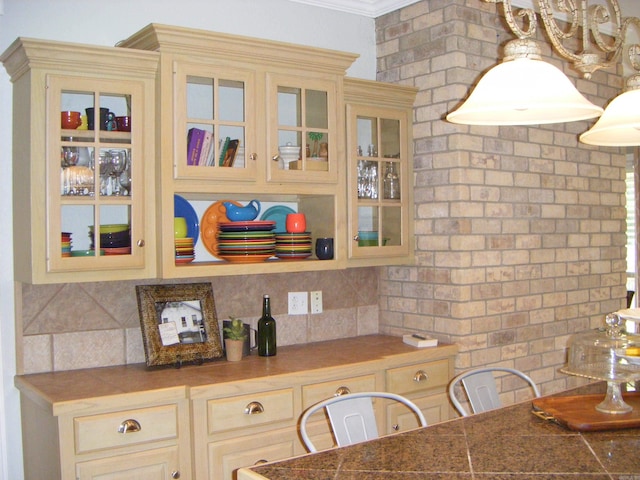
(630, 314)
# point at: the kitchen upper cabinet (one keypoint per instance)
(83, 188)
(270, 113)
(380, 173)
(179, 121)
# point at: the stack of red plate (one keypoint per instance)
(293, 246)
(66, 244)
(246, 242)
(184, 250)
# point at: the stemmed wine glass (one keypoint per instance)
(119, 163)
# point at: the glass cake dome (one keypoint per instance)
(608, 354)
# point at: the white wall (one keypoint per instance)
(103, 22)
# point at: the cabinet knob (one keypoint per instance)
(253, 408)
(396, 427)
(140, 243)
(253, 156)
(175, 474)
(129, 426)
(342, 391)
(420, 376)
(276, 158)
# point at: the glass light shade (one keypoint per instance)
(619, 125)
(524, 91)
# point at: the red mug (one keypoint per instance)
(70, 120)
(296, 223)
(124, 124)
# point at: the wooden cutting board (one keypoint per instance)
(579, 412)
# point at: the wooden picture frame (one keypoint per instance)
(179, 323)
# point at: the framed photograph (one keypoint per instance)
(179, 323)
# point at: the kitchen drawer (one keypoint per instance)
(314, 393)
(249, 410)
(418, 377)
(96, 432)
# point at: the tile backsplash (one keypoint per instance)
(72, 326)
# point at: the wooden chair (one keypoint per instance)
(480, 386)
(352, 417)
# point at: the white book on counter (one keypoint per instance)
(420, 340)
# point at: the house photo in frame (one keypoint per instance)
(179, 324)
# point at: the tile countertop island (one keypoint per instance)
(508, 443)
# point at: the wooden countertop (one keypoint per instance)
(60, 392)
(509, 442)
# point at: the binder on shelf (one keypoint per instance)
(195, 137)
(207, 145)
(420, 340)
(224, 144)
(230, 153)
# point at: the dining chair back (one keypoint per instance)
(480, 386)
(352, 417)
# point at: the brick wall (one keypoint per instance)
(520, 230)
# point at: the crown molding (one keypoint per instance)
(368, 8)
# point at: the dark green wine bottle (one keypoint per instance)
(266, 330)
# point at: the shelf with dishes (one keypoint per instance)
(279, 234)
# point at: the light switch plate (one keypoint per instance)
(316, 302)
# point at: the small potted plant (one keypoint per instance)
(234, 339)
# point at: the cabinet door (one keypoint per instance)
(159, 464)
(214, 123)
(226, 457)
(434, 407)
(303, 143)
(379, 187)
(95, 195)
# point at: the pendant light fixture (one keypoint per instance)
(526, 90)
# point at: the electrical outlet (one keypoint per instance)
(316, 302)
(298, 303)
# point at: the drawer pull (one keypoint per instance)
(175, 474)
(342, 391)
(420, 376)
(254, 408)
(129, 426)
(261, 461)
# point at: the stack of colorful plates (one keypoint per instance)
(246, 242)
(66, 244)
(293, 246)
(184, 250)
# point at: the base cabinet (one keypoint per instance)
(206, 422)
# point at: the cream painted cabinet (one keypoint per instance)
(380, 173)
(145, 435)
(269, 116)
(206, 421)
(83, 190)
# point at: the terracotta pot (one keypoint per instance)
(233, 349)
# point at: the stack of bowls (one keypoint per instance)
(114, 239)
(246, 242)
(184, 250)
(66, 244)
(293, 246)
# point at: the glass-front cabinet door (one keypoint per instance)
(303, 142)
(94, 170)
(214, 115)
(379, 182)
